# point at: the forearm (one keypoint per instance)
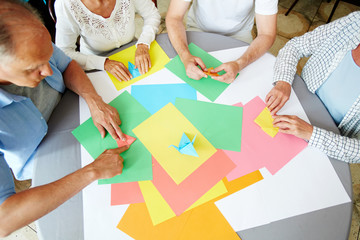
(27, 206)
(151, 16)
(76, 80)
(177, 35)
(257, 48)
(336, 146)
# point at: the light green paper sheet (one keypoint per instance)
(208, 87)
(137, 159)
(220, 124)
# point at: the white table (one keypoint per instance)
(59, 155)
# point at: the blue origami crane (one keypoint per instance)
(186, 146)
(134, 71)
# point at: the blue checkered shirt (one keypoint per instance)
(326, 46)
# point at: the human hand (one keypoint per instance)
(293, 125)
(109, 163)
(142, 58)
(118, 70)
(231, 68)
(278, 96)
(192, 71)
(106, 117)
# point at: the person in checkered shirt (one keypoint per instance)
(333, 74)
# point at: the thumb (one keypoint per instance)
(219, 68)
(119, 150)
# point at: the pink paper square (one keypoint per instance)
(128, 141)
(181, 197)
(126, 193)
(259, 149)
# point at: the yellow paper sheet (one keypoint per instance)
(158, 209)
(158, 60)
(216, 191)
(203, 222)
(165, 128)
(265, 121)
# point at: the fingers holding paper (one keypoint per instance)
(109, 163)
(278, 96)
(106, 118)
(142, 58)
(118, 70)
(231, 68)
(191, 64)
(293, 125)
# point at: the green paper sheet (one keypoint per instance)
(208, 87)
(137, 159)
(220, 124)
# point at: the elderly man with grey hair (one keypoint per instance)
(33, 74)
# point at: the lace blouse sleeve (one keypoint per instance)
(151, 16)
(67, 32)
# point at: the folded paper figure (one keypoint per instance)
(209, 73)
(128, 141)
(133, 70)
(265, 121)
(186, 146)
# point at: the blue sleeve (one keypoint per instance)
(61, 59)
(7, 186)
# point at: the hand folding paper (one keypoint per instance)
(134, 71)
(186, 146)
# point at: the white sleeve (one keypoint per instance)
(266, 7)
(151, 16)
(67, 32)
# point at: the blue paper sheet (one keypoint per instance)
(154, 97)
(186, 146)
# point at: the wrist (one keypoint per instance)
(90, 173)
(184, 55)
(92, 100)
(240, 63)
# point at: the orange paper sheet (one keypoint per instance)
(203, 222)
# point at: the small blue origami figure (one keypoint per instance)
(134, 71)
(186, 146)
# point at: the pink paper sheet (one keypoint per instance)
(125, 193)
(128, 141)
(181, 197)
(259, 149)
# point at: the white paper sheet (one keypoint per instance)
(307, 183)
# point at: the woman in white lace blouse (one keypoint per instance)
(104, 25)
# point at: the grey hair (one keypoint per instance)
(10, 9)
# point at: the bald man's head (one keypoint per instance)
(19, 23)
(25, 45)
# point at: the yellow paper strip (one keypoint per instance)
(216, 191)
(158, 208)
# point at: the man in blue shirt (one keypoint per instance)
(33, 74)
